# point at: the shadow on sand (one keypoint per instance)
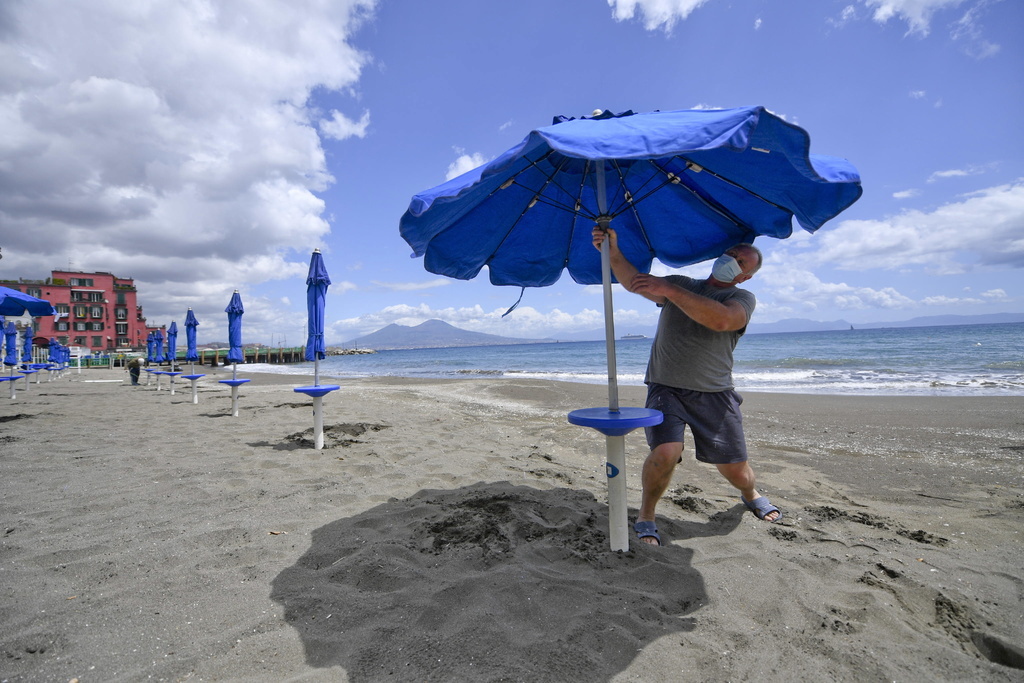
(488, 582)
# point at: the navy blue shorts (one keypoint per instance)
(714, 419)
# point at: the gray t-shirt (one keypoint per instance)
(687, 355)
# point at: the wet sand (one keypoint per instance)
(457, 530)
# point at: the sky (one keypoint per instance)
(204, 146)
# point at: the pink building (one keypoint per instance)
(98, 311)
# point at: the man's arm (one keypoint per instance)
(625, 272)
(708, 312)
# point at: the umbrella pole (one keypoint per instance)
(316, 370)
(195, 392)
(318, 422)
(615, 446)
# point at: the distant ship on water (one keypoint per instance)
(633, 336)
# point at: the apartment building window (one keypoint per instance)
(34, 291)
(122, 329)
(63, 309)
(120, 298)
(96, 327)
(123, 341)
(95, 296)
(96, 311)
(121, 313)
(80, 311)
(81, 327)
(97, 342)
(79, 341)
(62, 327)
(81, 282)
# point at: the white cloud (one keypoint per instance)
(802, 292)
(413, 286)
(171, 142)
(917, 94)
(917, 13)
(757, 24)
(463, 163)
(954, 173)
(340, 127)
(656, 14)
(984, 230)
(995, 295)
(906, 194)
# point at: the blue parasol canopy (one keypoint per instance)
(317, 282)
(52, 350)
(682, 186)
(14, 302)
(191, 353)
(172, 343)
(235, 311)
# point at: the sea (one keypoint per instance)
(960, 360)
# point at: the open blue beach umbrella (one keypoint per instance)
(235, 311)
(191, 353)
(680, 186)
(172, 342)
(26, 355)
(13, 302)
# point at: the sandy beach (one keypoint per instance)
(457, 531)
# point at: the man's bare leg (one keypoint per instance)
(656, 477)
(740, 475)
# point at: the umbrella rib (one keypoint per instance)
(703, 197)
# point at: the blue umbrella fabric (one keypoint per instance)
(682, 186)
(317, 282)
(149, 347)
(10, 345)
(158, 347)
(14, 302)
(52, 353)
(26, 355)
(235, 311)
(191, 353)
(172, 343)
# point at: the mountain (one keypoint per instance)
(804, 325)
(429, 335)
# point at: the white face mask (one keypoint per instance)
(726, 269)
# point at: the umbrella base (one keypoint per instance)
(615, 422)
(317, 391)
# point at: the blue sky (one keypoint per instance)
(203, 146)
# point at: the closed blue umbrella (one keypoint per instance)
(235, 353)
(317, 282)
(235, 311)
(52, 352)
(172, 343)
(11, 345)
(26, 356)
(172, 352)
(158, 347)
(150, 343)
(191, 353)
(680, 186)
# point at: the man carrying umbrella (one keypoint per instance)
(689, 375)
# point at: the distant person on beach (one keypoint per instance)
(135, 369)
(689, 374)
